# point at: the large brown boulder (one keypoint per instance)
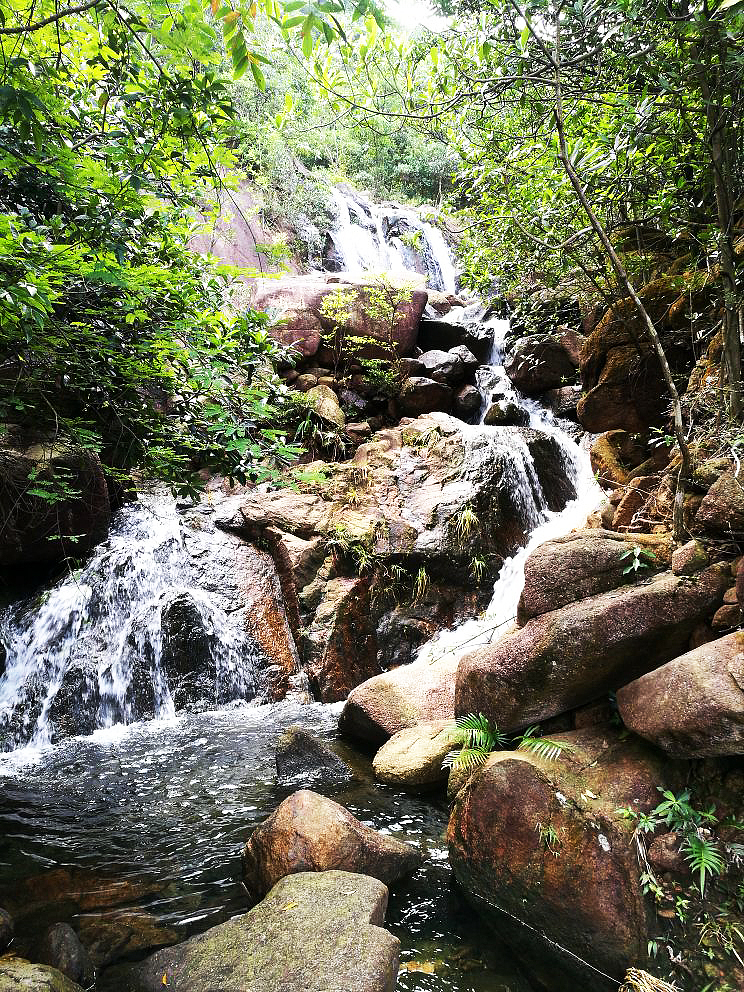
(585, 563)
(314, 932)
(722, 509)
(572, 655)
(412, 758)
(70, 521)
(693, 706)
(540, 362)
(622, 378)
(544, 842)
(339, 646)
(404, 697)
(311, 833)
(305, 321)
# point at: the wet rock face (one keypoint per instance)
(693, 706)
(187, 653)
(561, 858)
(301, 301)
(340, 647)
(61, 949)
(502, 413)
(314, 932)
(568, 657)
(410, 513)
(311, 833)
(35, 530)
(301, 755)
(6, 929)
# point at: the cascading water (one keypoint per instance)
(372, 238)
(543, 524)
(96, 649)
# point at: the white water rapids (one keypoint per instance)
(389, 238)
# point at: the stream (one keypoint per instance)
(166, 802)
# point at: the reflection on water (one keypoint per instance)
(171, 805)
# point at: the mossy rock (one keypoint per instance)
(314, 932)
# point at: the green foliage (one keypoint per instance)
(699, 848)
(640, 558)
(466, 522)
(477, 739)
(113, 334)
(543, 747)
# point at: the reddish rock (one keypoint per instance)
(722, 509)
(563, 659)
(636, 494)
(694, 705)
(560, 858)
(740, 586)
(300, 299)
(726, 617)
(404, 697)
(339, 646)
(689, 558)
(612, 454)
(583, 564)
(665, 855)
(630, 393)
(311, 833)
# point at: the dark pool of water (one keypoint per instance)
(172, 805)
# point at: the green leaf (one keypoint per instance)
(258, 76)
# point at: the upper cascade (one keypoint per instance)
(372, 237)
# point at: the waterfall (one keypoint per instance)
(519, 476)
(370, 237)
(116, 640)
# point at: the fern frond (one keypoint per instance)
(543, 747)
(704, 858)
(467, 759)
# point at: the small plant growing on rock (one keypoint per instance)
(477, 739)
(639, 557)
(466, 522)
(421, 585)
(477, 569)
(549, 838)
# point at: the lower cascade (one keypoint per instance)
(128, 636)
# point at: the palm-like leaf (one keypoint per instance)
(466, 759)
(543, 747)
